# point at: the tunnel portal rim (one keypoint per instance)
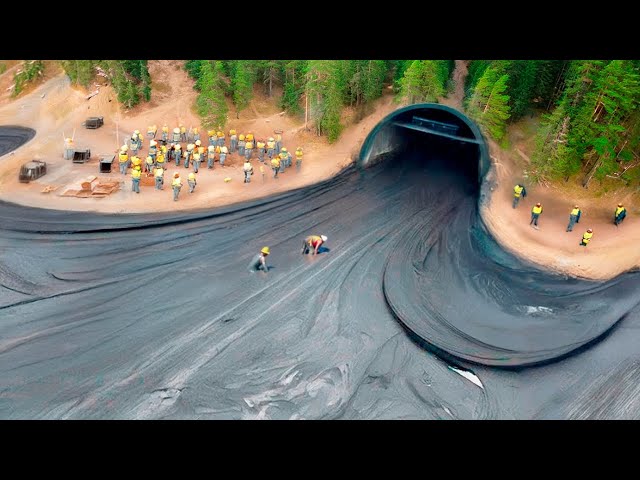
(484, 163)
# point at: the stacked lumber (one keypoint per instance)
(105, 188)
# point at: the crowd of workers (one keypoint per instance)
(519, 191)
(169, 148)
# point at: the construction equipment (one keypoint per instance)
(32, 171)
(106, 162)
(81, 156)
(93, 122)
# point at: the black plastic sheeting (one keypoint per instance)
(12, 137)
(155, 316)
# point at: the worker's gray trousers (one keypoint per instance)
(261, 154)
(534, 219)
(221, 142)
(278, 147)
(176, 192)
(275, 172)
(192, 186)
(282, 165)
(234, 145)
(270, 153)
(247, 153)
(123, 167)
(196, 166)
(241, 150)
(159, 182)
(572, 221)
(135, 185)
(186, 159)
(223, 157)
(210, 161)
(298, 165)
(247, 177)
(515, 201)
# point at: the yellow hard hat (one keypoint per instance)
(284, 149)
(137, 167)
(227, 180)
(265, 250)
(241, 137)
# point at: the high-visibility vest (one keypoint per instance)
(165, 129)
(247, 167)
(149, 161)
(135, 173)
(586, 237)
(192, 177)
(183, 130)
(517, 190)
(299, 154)
(271, 145)
(201, 150)
(159, 173)
(249, 145)
(196, 157)
(135, 161)
(224, 150)
(575, 211)
(619, 210)
(283, 155)
(275, 162)
(220, 135)
(232, 132)
(176, 182)
(260, 145)
(536, 210)
(123, 157)
(278, 138)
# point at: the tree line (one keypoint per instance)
(590, 120)
(130, 78)
(318, 89)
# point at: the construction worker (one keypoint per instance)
(271, 146)
(518, 192)
(275, 166)
(139, 138)
(134, 144)
(248, 149)
(574, 217)
(196, 161)
(165, 133)
(260, 261)
(221, 138)
(211, 156)
(248, 171)
(136, 162)
(163, 150)
(223, 155)
(183, 133)
(196, 134)
(213, 139)
(177, 154)
(313, 243)
(176, 135)
(159, 176)
(151, 131)
(298, 158)
(149, 164)
(535, 214)
(191, 180)
(283, 160)
(278, 143)
(241, 144)
(136, 173)
(233, 138)
(586, 237)
(188, 154)
(620, 214)
(160, 160)
(260, 149)
(153, 149)
(262, 171)
(176, 184)
(123, 158)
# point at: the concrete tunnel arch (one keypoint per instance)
(429, 118)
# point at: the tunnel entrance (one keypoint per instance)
(429, 130)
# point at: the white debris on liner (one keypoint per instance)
(468, 375)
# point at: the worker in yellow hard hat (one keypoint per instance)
(284, 155)
(220, 136)
(149, 164)
(165, 133)
(223, 155)
(260, 149)
(158, 173)
(259, 262)
(177, 154)
(153, 149)
(136, 173)
(151, 131)
(248, 149)
(191, 180)
(586, 237)
(241, 144)
(298, 158)
(123, 158)
(135, 161)
(278, 143)
(233, 138)
(211, 156)
(197, 158)
(275, 166)
(248, 171)
(249, 137)
(176, 184)
(619, 215)
(134, 144)
(271, 147)
(183, 133)
(196, 134)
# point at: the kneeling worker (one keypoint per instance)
(260, 261)
(313, 243)
(586, 238)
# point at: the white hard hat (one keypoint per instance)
(323, 237)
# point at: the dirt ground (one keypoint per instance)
(55, 110)
(62, 110)
(611, 251)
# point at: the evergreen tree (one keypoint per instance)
(242, 85)
(211, 104)
(489, 105)
(422, 82)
